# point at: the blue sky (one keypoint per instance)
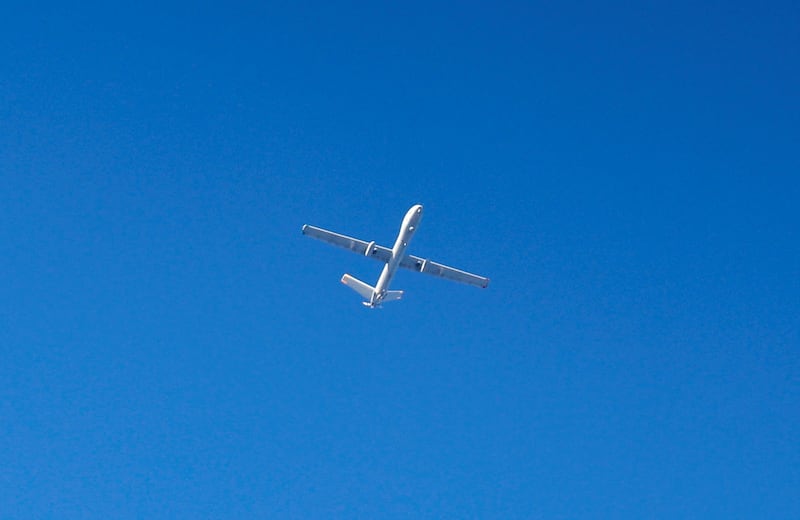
(627, 175)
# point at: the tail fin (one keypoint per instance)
(366, 291)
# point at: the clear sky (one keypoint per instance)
(627, 174)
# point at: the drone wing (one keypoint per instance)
(421, 265)
(384, 254)
(362, 247)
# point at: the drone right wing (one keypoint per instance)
(421, 265)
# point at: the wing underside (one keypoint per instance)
(384, 254)
(421, 265)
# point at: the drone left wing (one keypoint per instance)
(362, 247)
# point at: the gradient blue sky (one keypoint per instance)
(627, 174)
